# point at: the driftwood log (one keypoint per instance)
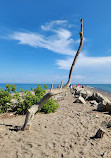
(31, 112)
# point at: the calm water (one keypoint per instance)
(28, 86)
(103, 87)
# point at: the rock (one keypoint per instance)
(99, 97)
(94, 96)
(104, 106)
(80, 100)
(93, 102)
(104, 154)
(99, 133)
(66, 94)
(83, 93)
(101, 107)
(109, 124)
(77, 90)
(76, 96)
(89, 95)
(108, 107)
(97, 116)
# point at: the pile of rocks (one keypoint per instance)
(95, 98)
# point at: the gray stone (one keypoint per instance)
(99, 97)
(76, 96)
(109, 124)
(83, 93)
(100, 133)
(89, 94)
(105, 105)
(80, 100)
(101, 107)
(93, 102)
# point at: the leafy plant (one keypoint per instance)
(30, 99)
(4, 100)
(21, 90)
(45, 86)
(49, 106)
(39, 92)
(8, 87)
(25, 100)
(17, 97)
(13, 88)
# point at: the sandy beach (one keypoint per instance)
(67, 133)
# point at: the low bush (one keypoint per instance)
(49, 106)
(29, 99)
(4, 100)
(10, 88)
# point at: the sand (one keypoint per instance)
(66, 133)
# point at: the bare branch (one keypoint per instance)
(52, 92)
(76, 56)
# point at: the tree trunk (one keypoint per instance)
(31, 112)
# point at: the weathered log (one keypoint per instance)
(31, 112)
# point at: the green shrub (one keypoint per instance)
(49, 106)
(26, 100)
(13, 88)
(45, 86)
(39, 92)
(8, 87)
(30, 99)
(4, 100)
(21, 90)
(17, 97)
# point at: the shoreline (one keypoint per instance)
(31, 86)
(104, 93)
(98, 89)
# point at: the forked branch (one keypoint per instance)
(31, 112)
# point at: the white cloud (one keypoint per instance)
(59, 41)
(63, 34)
(50, 25)
(84, 61)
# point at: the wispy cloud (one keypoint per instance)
(85, 61)
(52, 24)
(59, 40)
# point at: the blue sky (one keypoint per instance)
(38, 41)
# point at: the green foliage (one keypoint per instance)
(13, 88)
(39, 92)
(8, 87)
(22, 107)
(49, 106)
(17, 97)
(21, 90)
(4, 100)
(25, 100)
(45, 86)
(28, 100)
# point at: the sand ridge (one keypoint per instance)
(66, 133)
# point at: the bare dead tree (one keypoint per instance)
(31, 112)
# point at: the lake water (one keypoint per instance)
(103, 87)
